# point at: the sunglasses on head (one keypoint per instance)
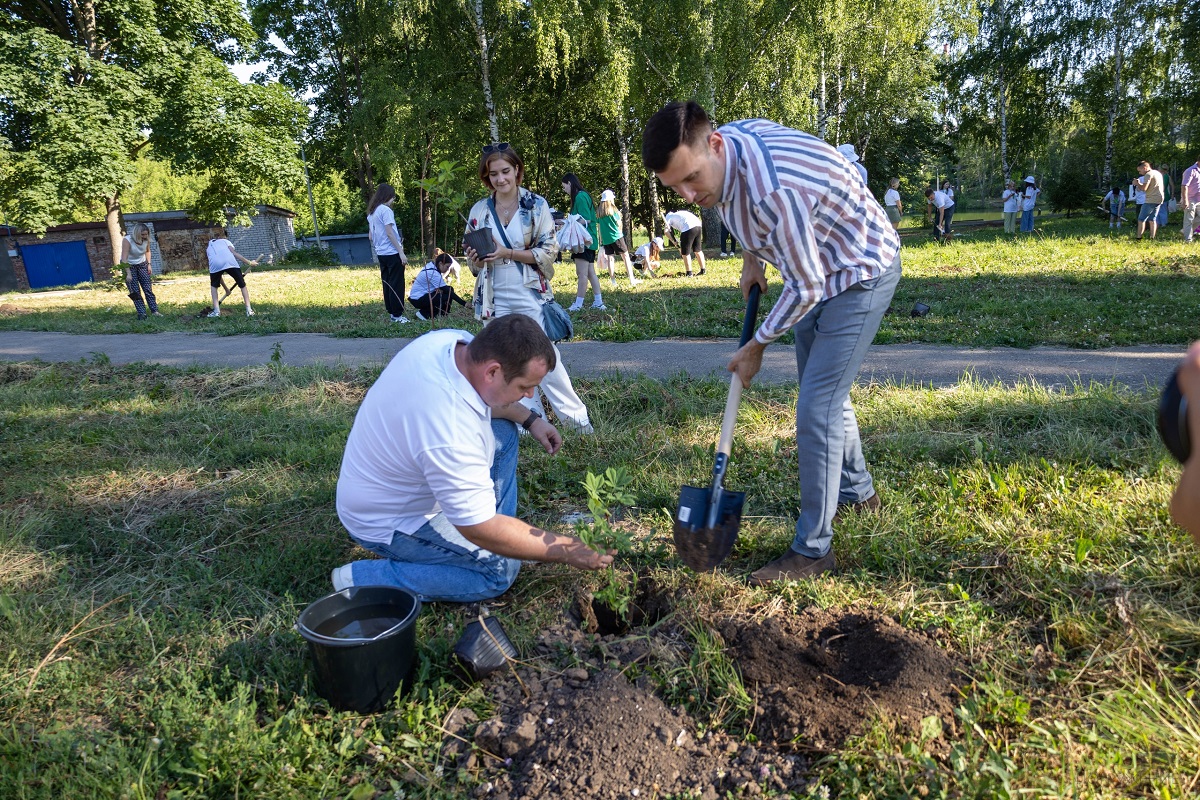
(496, 147)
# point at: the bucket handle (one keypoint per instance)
(311, 635)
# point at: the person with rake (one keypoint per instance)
(791, 200)
(223, 260)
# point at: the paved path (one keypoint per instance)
(660, 358)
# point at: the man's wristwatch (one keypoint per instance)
(528, 423)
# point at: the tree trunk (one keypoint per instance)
(115, 222)
(822, 99)
(1005, 167)
(655, 213)
(1115, 106)
(481, 37)
(623, 185)
(428, 232)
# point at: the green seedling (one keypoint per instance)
(605, 492)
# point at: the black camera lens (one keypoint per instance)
(1172, 420)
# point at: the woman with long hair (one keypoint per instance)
(135, 256)
(389, 249)
(612, 238)
(512, 279)
(585, 262)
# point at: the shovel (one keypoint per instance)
(707, 522)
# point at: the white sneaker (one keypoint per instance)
(250, 313)
(634, 282)
(341, 578)
(214, 315)
(421, 317)
(600, 306)
(403, 320)
(578, 304)
(724, 254)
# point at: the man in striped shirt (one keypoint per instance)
(794, 201)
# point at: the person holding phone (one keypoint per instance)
(514, 277)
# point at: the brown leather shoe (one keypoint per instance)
(792, 566)
(872, 503)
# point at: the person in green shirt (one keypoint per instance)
(585, 262)
(612, 238)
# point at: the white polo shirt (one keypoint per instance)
(940, 200)
(683, 220)
(421, 444)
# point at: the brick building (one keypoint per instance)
(79, 252)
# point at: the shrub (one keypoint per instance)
(311, 256)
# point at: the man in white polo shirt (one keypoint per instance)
(428, 479)
(940, 206)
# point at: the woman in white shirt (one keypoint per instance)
(892, 203)
(135, 255)
(1029, 198)
(389, 250)
(514, 277)
(1011, 200)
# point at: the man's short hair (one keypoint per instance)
(674, 124)
(513, 340)
(1145, 164)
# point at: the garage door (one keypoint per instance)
(56, 264)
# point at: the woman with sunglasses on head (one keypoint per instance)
(511, 279)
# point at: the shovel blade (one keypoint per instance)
(701, 547)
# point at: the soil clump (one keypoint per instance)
(819, 676)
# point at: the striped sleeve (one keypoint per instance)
(792, 239)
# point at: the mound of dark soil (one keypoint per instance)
(821, 675)
(601, 736)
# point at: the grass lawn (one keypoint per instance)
(1074, 285)
(161, 529)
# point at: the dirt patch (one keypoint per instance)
(9, 310)
(583, 715)
(821, 675)
(586, 735)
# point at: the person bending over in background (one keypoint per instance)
(223, 260)
(691, 230)
(938, 206)
(649, 256)
(791, 201)
(430, 483)
(431, 296)
(1114, 201)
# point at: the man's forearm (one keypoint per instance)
(513, 538)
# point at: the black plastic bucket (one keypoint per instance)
(363, 642)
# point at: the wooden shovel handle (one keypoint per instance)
(725, 443)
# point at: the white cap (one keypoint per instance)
(847, 150)
(607, 195)
(1029, 179)
(658, 241)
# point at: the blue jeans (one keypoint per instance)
(831, 343)
(1163, 214)
(439, 563)
(1027, 221)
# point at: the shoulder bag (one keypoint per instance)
(555, 320)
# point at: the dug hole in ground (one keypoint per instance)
(582, 715)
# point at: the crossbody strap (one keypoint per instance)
(499, 225)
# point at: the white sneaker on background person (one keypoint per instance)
(400, 319)
(578, 304)
(421, 316)
(600, 306)
(214, 314)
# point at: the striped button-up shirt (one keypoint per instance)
(795, 202)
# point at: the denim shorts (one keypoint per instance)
(1148, 211)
